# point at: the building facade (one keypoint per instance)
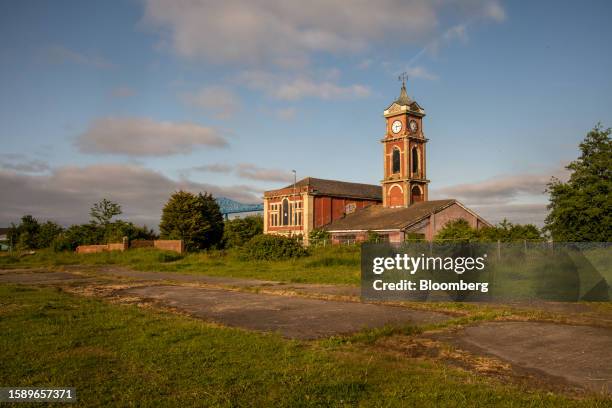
(311, 203)
(396, 210)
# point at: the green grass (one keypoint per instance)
(332, 265)
(119, 355)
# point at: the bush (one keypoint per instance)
(273, 247)
(239, 231)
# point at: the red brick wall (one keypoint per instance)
(328, 209)
(90, 249)
(175, 245)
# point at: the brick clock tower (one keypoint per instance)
(405, 180)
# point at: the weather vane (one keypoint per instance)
(403, 77)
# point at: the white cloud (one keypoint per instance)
(59, 55)
(67, 193)
(256, 31)
(122, 92)
(420, 72)
(286, 113)
(292, 88)
(220, 100)
(146, 137)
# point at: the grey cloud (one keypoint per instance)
(502, 188)
(146, 137)
(215, 168)
(257, 31)
(21, 163)
(248, 171)
(523, 213)
(66, 194)
(519, 198)
(252, 172)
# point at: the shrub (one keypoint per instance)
(239, 231)
(273, 247)
(317, 236)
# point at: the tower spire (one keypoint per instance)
(403, 99)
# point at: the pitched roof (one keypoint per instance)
(377, 217)
(339, 188)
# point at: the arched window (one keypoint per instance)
(285, 215)
(395, 167)
(417, 195)
(415, 160)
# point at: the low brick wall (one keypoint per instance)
(175, 245)
(92, 249)
(141, 243)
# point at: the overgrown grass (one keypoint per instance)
(332, 265)
(117, 355)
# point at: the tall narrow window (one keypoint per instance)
(285, 210)
(415, 160)
(395, 161)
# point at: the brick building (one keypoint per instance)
(400, 206)
(313, 203)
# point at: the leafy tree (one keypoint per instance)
(75, 235)
(457, 230)
(47, 233)
(239, 231)
(115, 231)
(581, 208)
(25, 235)
(103, 211)
(505, 231)
(196, 219)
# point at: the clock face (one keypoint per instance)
(396, 126)
(413, 125)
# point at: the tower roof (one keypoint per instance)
(403, 99)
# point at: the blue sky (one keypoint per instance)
(134, 99)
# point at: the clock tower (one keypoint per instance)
(405, 180)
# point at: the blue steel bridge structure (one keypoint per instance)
(229, 206)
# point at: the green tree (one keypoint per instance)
(239, 231)
(457, 230)
(196, 219)
(581, 208)
(115, 231)
(75, 235)
(25, 235)
(506, 231)
(103, 211)
(47, 234)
